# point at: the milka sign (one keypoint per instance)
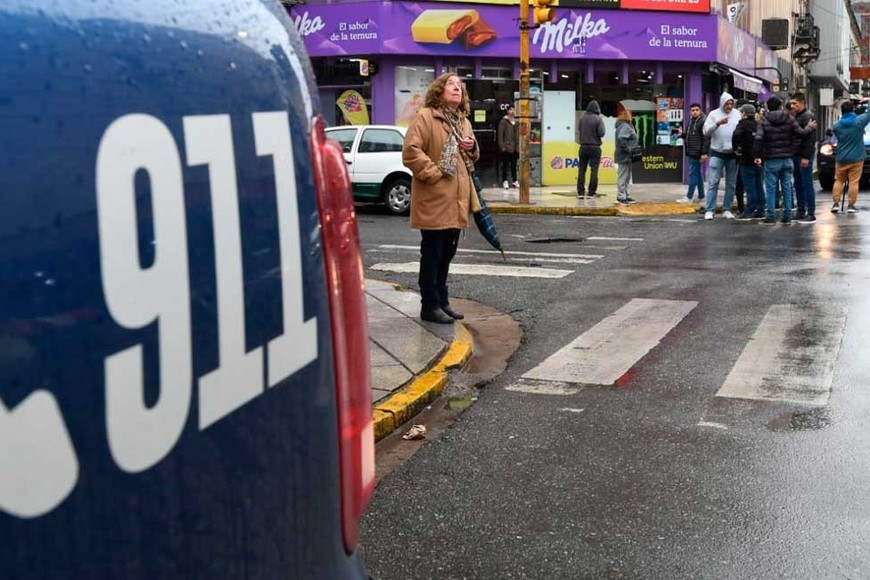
(306, 25)
(563, 33)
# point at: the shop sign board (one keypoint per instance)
(737, 48)
(701, 6)
(427, 28)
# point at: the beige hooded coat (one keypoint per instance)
(438, 201)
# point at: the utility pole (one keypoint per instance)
(525, 122)
(543, 14)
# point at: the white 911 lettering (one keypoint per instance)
(38, 463)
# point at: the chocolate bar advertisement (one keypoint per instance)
(440, 28)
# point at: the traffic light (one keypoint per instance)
(544, 13)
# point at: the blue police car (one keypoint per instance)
(184, 381)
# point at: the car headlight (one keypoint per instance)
(826, 149)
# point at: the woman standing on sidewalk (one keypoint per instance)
(440, 150)
(626, 141)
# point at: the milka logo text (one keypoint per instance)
(563, 33)
(306, 25)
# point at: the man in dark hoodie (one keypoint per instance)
(849, 153)
(774, 142)
(591, 132)
(743, 142)
(804, 149)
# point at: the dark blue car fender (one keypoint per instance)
(167, 397)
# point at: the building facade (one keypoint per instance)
(374, 59)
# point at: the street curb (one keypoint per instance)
(405, 403)
(637, 209)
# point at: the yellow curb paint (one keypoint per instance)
(384, 422)
(404, 404)
(460, 350)
(657, 209)
(640, 209)
(562, 211)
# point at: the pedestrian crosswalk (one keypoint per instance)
(789, 358)
(477, 269)
(472, 262)
(609, 349)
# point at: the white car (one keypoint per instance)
(374, 161)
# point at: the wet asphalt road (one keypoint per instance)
(623, 482)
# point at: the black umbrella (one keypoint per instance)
(483, 219)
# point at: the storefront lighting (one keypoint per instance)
(564, 76)
(431, 70)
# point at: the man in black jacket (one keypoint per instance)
(697, 147)
(805, 147)
(591, 132)
(774, 142)
(743, 142)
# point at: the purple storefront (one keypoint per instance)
(374, 61)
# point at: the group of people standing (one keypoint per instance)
(590, 134)
(773, 153)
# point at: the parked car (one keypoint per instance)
(184, 380)
(374, 159)
(826, 162)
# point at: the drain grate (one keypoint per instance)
(555, 240)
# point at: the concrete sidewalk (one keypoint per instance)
(652, 199)
(409, 357)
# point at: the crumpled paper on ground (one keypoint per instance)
(415, 432)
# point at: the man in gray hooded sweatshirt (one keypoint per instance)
(719, 128)
(591, 132)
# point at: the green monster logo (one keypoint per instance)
(645, 124)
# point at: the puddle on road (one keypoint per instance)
(813, 420)
(461, 403)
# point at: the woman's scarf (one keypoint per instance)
(447, 162)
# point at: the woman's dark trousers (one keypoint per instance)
(437, 249)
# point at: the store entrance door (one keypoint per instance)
(484, 118)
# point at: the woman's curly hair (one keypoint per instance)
(435, 93)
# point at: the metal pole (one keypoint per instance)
(525, 125)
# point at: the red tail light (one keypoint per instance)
(346, 286)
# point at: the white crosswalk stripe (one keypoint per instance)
(477, 270)
(515, 267)
(790, 357)
(495, 253)
(605, 352)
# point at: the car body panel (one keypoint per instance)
(826, 163)
(374, 157)
(255, 493)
